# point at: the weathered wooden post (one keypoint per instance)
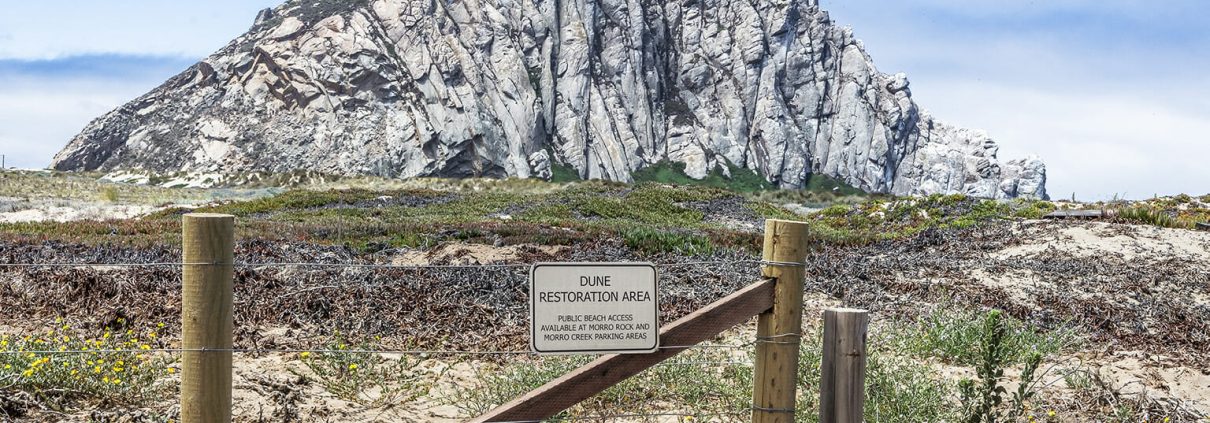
(206, 317)
(842, 385)
(779, 331)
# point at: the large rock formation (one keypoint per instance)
(499, 88)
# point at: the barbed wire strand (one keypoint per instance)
(385, 266)
(632, 416)
(336, 351)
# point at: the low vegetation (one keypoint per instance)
(735, 178)
(352, 374)
(955, 335)
(665, 216)
(63, 369)
(901, 384)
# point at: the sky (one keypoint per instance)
(1113, 95)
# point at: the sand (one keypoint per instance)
(13, 210)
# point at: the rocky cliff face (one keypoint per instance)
(499, 88)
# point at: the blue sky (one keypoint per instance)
(1114, 95)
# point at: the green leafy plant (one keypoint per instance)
(1150, 216)
(955, 334)
(117, 366)
(355, 375)
(981, 400)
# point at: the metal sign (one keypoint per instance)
(593, 308)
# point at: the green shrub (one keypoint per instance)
(897, 389)
(741, 179)
(31, 364)
(363, 377)
(109, 194)
(982, 400)
(953, 334)
(563, 173)
(817, 182)
(1150, 216)
(706, 384)
(1032, 209)
(660, 241)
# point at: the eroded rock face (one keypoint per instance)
(497, 88)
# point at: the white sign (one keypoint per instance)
(593, 308)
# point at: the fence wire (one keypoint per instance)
(722, 361)
(388, 266)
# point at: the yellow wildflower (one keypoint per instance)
(159, 325)
(1050, 413)
(144, 347)
(171, 370)
(96, 369)
(353, 366)
(105, 379)
(304, 354)
(117, 381)
(118, 369)
(74, 371)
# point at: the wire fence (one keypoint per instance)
(353, 265)
(745, 361)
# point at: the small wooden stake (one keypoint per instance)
(779, 330)
(206, 319)
(842, 385)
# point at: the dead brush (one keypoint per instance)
(1094, 395)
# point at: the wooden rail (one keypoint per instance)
(569, 389)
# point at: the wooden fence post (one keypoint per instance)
(206, 317)
(842, 385)
(779, 330)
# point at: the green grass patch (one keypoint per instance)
(817, 182)
(63, 382)
(1151, 216)
(741, 179)
(364, 378)
(953, 334)
(563, 173)
(706, 392)
(711, 386)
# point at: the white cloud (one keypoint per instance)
(1119, 143)
(1111, 94)
(48, 29)
(39, 116)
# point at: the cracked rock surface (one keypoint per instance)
(459, 88)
